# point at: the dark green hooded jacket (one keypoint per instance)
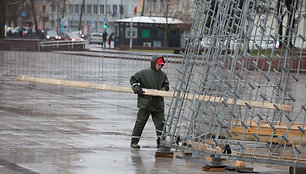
(150, 79)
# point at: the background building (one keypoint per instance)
(96, 14)
(25, 13)
(150, 31)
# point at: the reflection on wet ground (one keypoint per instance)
(49, 129)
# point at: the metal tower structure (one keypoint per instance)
(237, 96)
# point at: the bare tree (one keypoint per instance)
(179, 9)
(60, 8)
(2, 18)
(143, 6)
(165, 4)
(169, 11)
(81, 14)
(63, 8)
(291, 7)
(34, 15)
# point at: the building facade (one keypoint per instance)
(146, 31)
(20, 13)
(96, 15)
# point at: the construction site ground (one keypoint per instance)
(52, 129)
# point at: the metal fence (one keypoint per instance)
(242, 97)
(98, 67)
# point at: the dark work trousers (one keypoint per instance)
(142, 118)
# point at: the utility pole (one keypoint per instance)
(107, 10)
(131, 33)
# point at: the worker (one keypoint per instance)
(104, 37)
(152, 78)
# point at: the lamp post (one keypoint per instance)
(131, 24)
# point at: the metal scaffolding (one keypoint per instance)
(235, 97)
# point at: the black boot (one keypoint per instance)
(134, 143)
(158, 142)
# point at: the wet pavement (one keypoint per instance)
(49, 129)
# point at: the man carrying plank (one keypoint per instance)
(152, 78)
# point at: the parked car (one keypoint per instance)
(8, 31)
(71, 36)
(265, 44)
(95, 38)
(205, 42)
(52, 35)
(17, 32)
(79, 33)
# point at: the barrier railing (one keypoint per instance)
(58, 44)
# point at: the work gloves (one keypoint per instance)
(140, 92)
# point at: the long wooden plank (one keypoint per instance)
(89, 85)
(151, 92)
(268, 131)
(275, 140)
(283, 125)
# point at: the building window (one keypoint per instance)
(145, 33)
(161, 6)
(44, 9)
(114, 10)
(148, 5)
(52, 24)
(154, 6)
(70, 9)
(101, 26)
(130, 33)
(76, 9)
(101, 9)
(76, 24)
(53, 8)
(95, 9)
(83, 9)
(88, 9)
(121, 9)
(107, 9)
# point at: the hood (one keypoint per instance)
(154, 58)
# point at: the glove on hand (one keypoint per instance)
(140, 92)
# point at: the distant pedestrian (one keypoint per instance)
(116, 41)
(21, 32)
(151, 78)
(30, 32)
(41, 34)
(110, 39)
(104, 37)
